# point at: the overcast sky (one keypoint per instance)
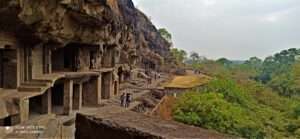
(236, 29)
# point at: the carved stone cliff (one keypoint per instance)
(93, 22)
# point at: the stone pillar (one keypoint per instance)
(107, 85)
(46, 102)
(24, 110)
(47, 60)
(116, 88)
(19, 74)
(68, 96)
(77, 102)
(98, 83)
(92, 92)
(108, 58)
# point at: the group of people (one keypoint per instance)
(126, 99)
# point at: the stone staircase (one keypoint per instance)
(39, 84)
(33, 87)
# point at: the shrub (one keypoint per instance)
(212, 111)
(245, 111)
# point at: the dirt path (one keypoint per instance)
(139, 89)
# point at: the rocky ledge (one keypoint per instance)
(117, 123)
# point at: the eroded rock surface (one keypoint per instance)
(120, 123)
(94, 22)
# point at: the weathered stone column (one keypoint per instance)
(68, 96)
(92, 92)
(46, 102)
(77, 102)
(47, 60)
(24, 110)
(98, 88)
(108, 58)
(107, 85)
(116, 88)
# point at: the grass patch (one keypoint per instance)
(188, 81)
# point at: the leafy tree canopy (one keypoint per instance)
(165, 34)
(179, 55)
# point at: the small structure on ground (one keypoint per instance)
(185, 82)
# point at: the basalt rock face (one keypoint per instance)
(117, 123)
(93, 22)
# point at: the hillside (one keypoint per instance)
(254, 99)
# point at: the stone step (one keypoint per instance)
(41, 80)
(35, 83)
(31, 88)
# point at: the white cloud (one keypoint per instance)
(209, 2)
(271, 18)
(237, 29)
(136, 2)
(277, 16)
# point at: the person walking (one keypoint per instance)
(123, 100)
(128, 100)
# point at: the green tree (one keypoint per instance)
(165, 34)
(249, 111)
(283, 84)
(279, 63)
(254, 63)
(194, 56)
(179, 55)
(224, 61)
(212, 111)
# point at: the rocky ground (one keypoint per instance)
(124, 124)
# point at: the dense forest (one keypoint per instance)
(253, 98)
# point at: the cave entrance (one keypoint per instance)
(66, 58)
(6, 121)
(35, 108)
(8, 68)
(10, 120)
(57, 98)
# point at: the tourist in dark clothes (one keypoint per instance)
(128, 100)
(123, 99)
